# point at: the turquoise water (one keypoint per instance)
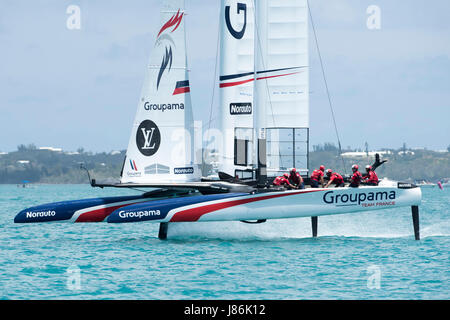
(356, 256)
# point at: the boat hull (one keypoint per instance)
(86, 210)
(270, 205)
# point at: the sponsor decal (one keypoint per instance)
(405, 185)
(185, 170)
(39, 214)
(167, 60)
(134, 174)
(383, 198)
(139, 214)
(148, 138)
(163, 106)
(240, 108)
(236, 34)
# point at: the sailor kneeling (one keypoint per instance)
(335, 178)
(356, 178)
(296, 179)
(283, 181)
(371, 178)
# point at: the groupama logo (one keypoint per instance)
(356, 198)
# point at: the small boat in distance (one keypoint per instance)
(264, 112)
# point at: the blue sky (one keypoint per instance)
(80, 88)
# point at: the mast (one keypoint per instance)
(236, 87)
(261, 93)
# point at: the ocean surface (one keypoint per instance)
(370, 255)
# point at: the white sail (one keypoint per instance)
(161, 147)
(282, 82)
(236, 87)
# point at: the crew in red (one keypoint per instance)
(335, 178)
(371, 178)
(356, 178)
(317, 176)
(296, 179)
(283, 181)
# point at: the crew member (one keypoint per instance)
(335, 178)
(296, 179)
(371, 178)
(356, 178)
(283, 181)
(317, 176)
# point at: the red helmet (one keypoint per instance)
(322, 168)
(329, 172)
(355, 167)
(286, 175)
(368, 167)
(293, 170)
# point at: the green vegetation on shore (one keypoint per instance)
(34, 165)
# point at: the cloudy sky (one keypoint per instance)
(80, 88)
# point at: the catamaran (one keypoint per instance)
(264, 112)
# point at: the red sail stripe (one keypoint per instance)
(280, 75)
(194, 214)
(174, 20)
(231, 84)
(181, 90)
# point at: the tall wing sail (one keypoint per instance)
(161, 146)
(282, 82)
(236, 86)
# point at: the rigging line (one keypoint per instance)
(213, 92)
(326, 86)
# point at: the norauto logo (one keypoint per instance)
(163, 106)
(240, 108)
(185, 170)
(357, 198)
(40, 214)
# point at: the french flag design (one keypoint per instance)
(242, 78)
(133, 165)
(182, 87)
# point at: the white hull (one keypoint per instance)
(273, 205)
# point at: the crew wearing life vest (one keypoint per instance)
(296, 179)
(335, 178)
(371, 178)
(356, 178)
(283, 181)
(317, 177)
